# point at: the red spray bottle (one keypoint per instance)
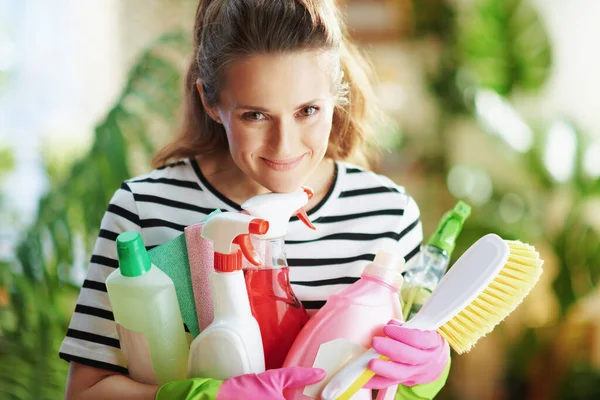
(278, 311)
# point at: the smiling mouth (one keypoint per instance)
(283, 165)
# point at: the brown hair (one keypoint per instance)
(227, 30)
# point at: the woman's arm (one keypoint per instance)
(96, 337)
(89, 383)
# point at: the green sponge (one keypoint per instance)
(171, 257)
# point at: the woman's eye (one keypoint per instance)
(308, 111)
(254, 116)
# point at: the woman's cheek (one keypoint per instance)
(318, 136)
(242, 139)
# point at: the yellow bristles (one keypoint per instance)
(516, 279)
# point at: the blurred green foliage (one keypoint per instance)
(499, 48)
(38, 283)
(7, 160)
(581, 383)
(503, 45)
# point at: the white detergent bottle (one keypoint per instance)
(231, 345)
(146, 310)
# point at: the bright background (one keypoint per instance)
(494, 102)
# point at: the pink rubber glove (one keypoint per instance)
(270, 384)
(416, 357)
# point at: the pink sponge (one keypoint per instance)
(201, 258)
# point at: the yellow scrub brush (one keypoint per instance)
(485, 285)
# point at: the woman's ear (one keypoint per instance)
(210, 110)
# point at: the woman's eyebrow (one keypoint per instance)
(265, 110)
(245, 107)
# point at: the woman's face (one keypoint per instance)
(277, 111)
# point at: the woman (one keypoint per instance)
(276, 97)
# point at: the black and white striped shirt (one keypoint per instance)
(361, 213)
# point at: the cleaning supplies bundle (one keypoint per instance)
(344, 327)
(146, 311)
(485, 285)
(423, 276)
(231, 345)
(279, 313)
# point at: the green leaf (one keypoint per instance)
(504, 44)
(577, 248)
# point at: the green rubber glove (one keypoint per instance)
(190, 389)
(425, 391)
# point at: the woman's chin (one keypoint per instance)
(281, 184)
(283, 187)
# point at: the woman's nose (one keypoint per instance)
(282, 138)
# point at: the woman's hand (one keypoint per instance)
(416, 357)
(270, 384)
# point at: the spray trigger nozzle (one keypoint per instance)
(309, 192)
(302, 216)
(247, 249)
(256, 227)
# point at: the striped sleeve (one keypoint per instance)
(410, 233)
(92, 338)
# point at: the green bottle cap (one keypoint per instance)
(449, 228)
(133, 257)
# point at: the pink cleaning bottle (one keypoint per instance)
(356, 314)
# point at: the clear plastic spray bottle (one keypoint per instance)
(423, 277)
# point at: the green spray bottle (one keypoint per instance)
(423, 277)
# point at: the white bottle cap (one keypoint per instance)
(277, 208)
(387, 266)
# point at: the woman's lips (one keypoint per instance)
(283, 165)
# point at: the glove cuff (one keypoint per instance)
(426, 391)
(190, 389)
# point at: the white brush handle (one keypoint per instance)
(468, 277)
(347, 377)
(350, 375)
